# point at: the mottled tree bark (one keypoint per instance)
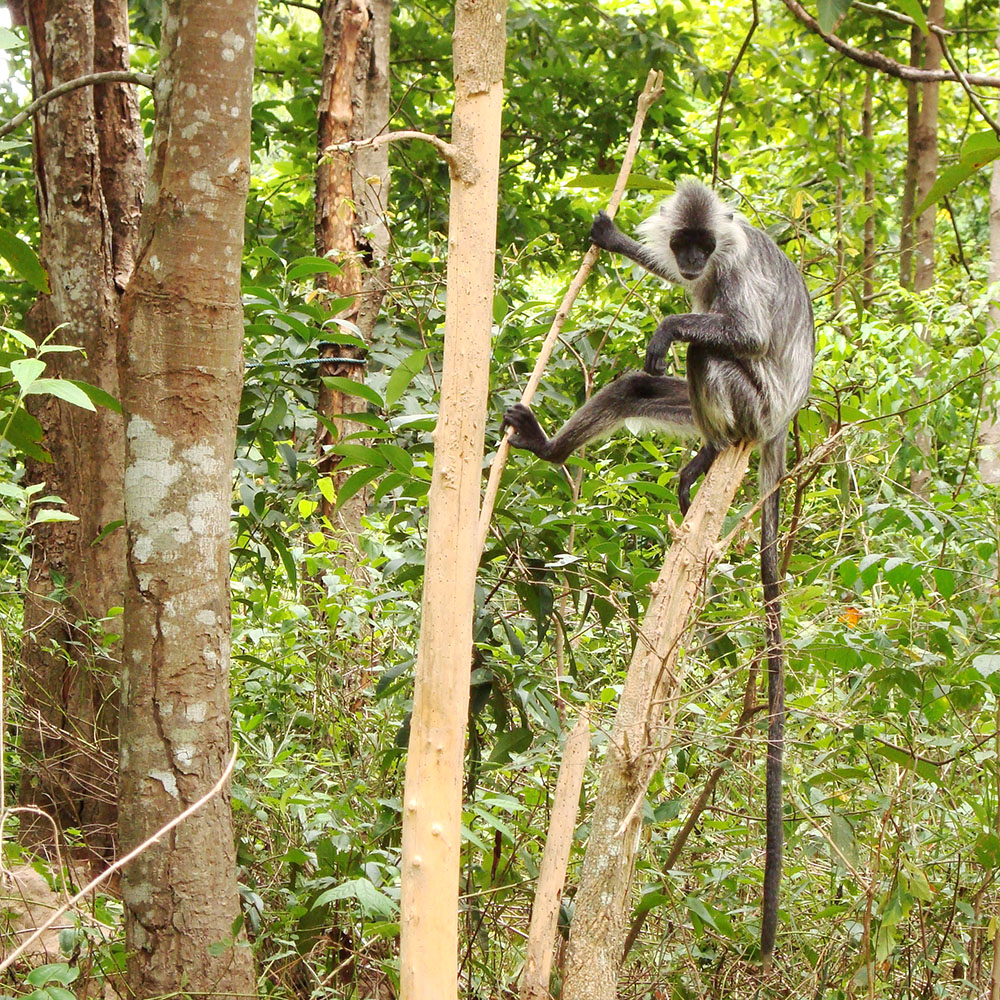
(351, 199)
(181, 373)
(432, 797)
(89, 166)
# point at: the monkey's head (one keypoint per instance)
(692, 249)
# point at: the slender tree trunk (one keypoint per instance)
(552, 870)
(351, 199)
(868, 136)
(89, 167)
(639, 739)
(432, 797)
(989, 434)
(181, 372)
(927, 155)
(908, 201)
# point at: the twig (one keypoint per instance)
(650, 94)
(894, 15)
(446, 149)
(121, 862)
(880, 62)
(964, 81)
(725, 91)
(111, 76)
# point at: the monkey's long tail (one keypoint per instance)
(772, 466)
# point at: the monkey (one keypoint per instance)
(751, 346)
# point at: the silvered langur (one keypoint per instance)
(749, 364)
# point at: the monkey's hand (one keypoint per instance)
(603, 231)
(656, 351)
(528, 433)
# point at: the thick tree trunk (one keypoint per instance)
(639, 739)
(351, 198)
(181, 373)
(432, 797)
(927, 156)
(89, 166)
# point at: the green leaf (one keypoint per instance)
(372, 901)
(606, 182)
(351, 388)
(403, 375)
(97, 395)
(944, 580)
(63, 389)
(842, 835)
(924, 768)
(987, 663)
(107, 529)
(49, 516)
(23, 261)
(830, 12)
(325, 485)
(57, 972)
(305, 266)
(26, 371)
(913, 8)
(8, 40)
(356, 482)
(977, 151)
(24, 432)
(511, 742)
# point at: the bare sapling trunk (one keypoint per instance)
(89, 165)
(927, 154)
(868, 261)
(181, 371)
(432, 796)
(640, 737)
(352, 189)
(989, 434)
(908, 201)
(555, 858)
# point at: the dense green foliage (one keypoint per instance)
(893, 763)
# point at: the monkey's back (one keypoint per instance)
(751, 392)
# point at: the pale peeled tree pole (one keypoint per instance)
(432, 796)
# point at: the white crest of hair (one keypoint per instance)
(694, 206)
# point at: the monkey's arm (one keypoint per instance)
(720, 332)
(608, 236)
(662, 402)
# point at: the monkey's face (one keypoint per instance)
(692, 249)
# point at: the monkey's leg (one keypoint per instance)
(772, 464)
(662, 402)
(698, 466)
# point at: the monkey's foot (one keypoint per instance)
(528, 433)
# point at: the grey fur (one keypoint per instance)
(750, 357)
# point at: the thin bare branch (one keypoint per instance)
(725, 91)
(120, 863)
(111, 76)
(446, 149)
(883, 63)
(650, 94)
